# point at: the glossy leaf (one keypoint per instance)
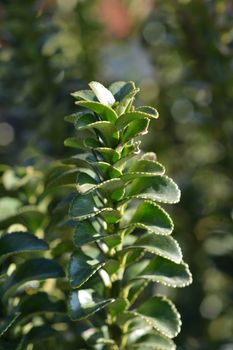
(107, 130)
(104, 111)
(86, 95)
(151, 217)
(170, 274)
(103, 95)
(134, 129)
(126, 118)
(160, 314)
(124, 93)
(81, 268)
(153, 341)
(34, 269)
(158, 188)
(164, 246)
(121, 89)
(20, 242)
(83, 303)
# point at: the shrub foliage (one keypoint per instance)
(114, 236)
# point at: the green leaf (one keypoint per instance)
(107, 130)
(83, 303)
(134, 129)
(109, 155)
(66, 178)
(164, 246)
(113, 188)
(40, 303)
(86, 95)
(147, 166)
(38, 269)
(161, 314)
(8, 323)
(153, 341)
(74, 117)
(129, 117)
(20, 242)
(85, 233)
(151, 217)
(105, 112)
(84, 141)
(143, 168)
(104, 95)
(124, 93)
(121, 89)
(170, 274)
(158, 188)
(149, 111)
(81, 268)
(40, 333)
(84, 120)
(118, 306)
(85, 206)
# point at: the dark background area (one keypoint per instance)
(179, 52)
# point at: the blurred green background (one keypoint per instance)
(179, 52)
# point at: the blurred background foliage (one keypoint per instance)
(180, 54)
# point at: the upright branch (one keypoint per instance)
(122, 241)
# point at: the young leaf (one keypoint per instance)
(104, 95)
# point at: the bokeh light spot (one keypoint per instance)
(182, 110)
(154, 33)
(211, 307)
(6, 134)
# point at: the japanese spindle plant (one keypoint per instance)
(122, 236)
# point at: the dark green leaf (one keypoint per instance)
(20, 242)
(153, 341)
(40, 303)
(81, 268)
(34, 269)
(85, 233)
(121, 89)
(151, 217)
(8, 323)
(158, 188)
(83, 303)
(170, 274)
(161, 314)
(164, 246)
